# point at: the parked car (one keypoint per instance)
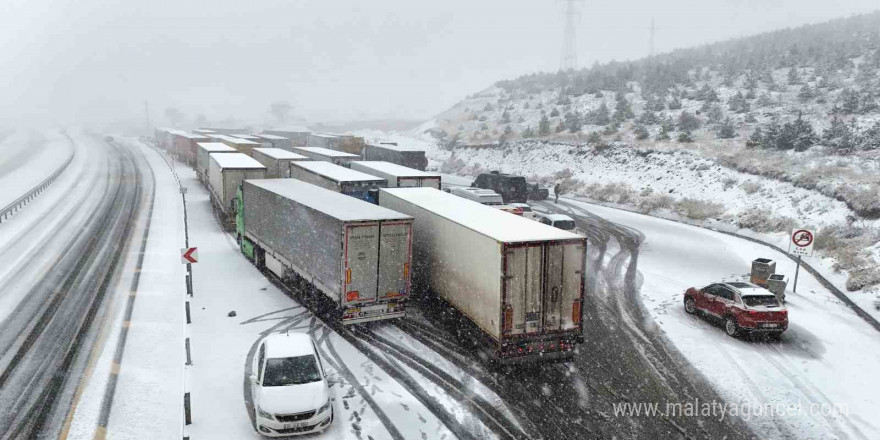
(512, 188)
(743, 307)
(536, 192)
(526, 210)
(289, 387)
(511, 209)
(560, 221)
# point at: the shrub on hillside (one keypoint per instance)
(762, 220)
(861, 278)
(654, 202)
(750, 187)
(699, 209)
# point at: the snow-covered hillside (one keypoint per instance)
(762, 132)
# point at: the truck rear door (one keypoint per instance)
(395, 240)
(407, 182)
(524, 289)
(361, 263)
(562, 299)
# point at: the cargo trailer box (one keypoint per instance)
(249, 137)
(242, 145)
(397, 175)
(519, 281)
(339, 179)
(185, 145)
(226, 131)
(355, 253)
(405, 156)
(274, 141)
(326, 155)
(226, 172)
(203, 159)
(299, 137)
(276, 161)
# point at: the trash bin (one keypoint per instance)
(777, 284)
(762, 268)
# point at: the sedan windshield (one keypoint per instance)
(567, 225)
(291, 371)
(753, 301)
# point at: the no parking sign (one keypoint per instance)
(801, 243)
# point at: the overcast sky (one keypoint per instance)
(333, 60)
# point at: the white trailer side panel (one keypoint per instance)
(445, 255)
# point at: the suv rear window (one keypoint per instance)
(567, 225)
(754, 301)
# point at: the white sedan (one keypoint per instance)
(288, 385)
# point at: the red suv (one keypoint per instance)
(744, 307)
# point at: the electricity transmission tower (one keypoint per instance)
(568, 60)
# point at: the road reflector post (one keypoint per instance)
(188, 355)
(187, 409)
(188, 318)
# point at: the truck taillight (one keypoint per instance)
(508, 319)
(576, 311)
(347, 276)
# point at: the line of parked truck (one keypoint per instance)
(367, 234)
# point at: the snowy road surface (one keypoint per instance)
(421, 377)
(58, 261)
(825, 364)
(26, 159)
(369, 401)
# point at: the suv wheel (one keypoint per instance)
(690, 306)
(731, 327)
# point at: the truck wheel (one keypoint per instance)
(731, 327)
(690, 306)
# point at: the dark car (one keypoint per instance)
(743, 307)
(513, 189)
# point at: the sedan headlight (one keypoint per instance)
(264, 414)
(324, 407)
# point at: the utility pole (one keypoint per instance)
(147, 115)
(568, 60)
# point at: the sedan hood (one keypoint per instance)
(293, 399)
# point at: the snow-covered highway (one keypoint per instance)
(59, 260)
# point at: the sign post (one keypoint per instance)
(801, 244)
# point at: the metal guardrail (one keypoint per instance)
(19, 203)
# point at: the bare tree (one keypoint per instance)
(281, 111)
(174, 116)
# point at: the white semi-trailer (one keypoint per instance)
(225, 174)
(326, 155)
(340, 179)
(397, 175)
(276, 161)
(203, 157)
(356, 253)
(520, 282)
